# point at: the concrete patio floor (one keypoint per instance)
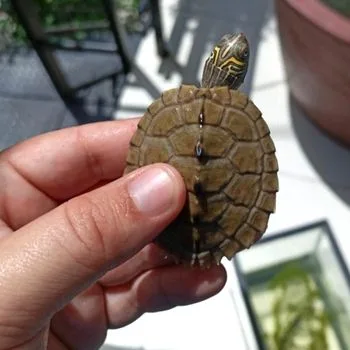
(314, 170)
(29, 102)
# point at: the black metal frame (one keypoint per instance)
(162, 48)
(40, 40)
(323, 224)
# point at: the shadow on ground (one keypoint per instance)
(329, 158)
(207, 21)
(202, 23)
(30, 105)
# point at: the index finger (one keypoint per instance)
(65, 163)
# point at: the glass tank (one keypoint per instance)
(296, 289)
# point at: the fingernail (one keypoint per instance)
(153, 191)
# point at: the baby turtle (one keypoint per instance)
(217, 139)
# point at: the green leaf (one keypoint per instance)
(341, 6)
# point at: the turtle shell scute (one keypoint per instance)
(231, 184)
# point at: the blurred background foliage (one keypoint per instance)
(61, 12)
(341, 6)
(75, 12)
(300, 321)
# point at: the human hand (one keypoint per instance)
(75, 251)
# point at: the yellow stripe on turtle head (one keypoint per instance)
(215, 53)
(232, 60)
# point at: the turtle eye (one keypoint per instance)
(245, 53)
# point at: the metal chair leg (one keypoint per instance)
(116, 29)
(162, 48)
(27, 15)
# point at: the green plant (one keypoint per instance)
(341, 6)
(8, 26)
(299, 318)
(60, 12)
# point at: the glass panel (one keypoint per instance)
(279, 250)
(337, 293)
(297, 292)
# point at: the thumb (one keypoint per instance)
(52, 259)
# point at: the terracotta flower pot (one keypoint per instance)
(316, 49)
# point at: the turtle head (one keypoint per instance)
(227, 64)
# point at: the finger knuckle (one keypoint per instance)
(101, 224)
(92, 160)
(87, 223)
